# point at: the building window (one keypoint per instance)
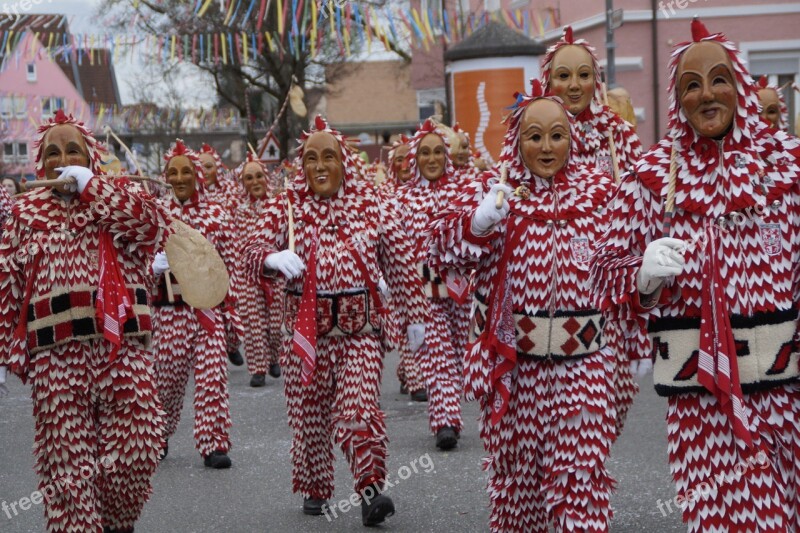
(31, 71)
(22, 153)
(8, 153)
(430, 102)
(15, 153)
(6, 106)
(20, 107)
(50, 106)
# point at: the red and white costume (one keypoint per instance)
(259, 301)
(67, 263)
(440, 358)
(225, 192)
(593, 125)
(188, 339)
(466, 173)
(729, 318)
(341, 400)
(763, 83)
(537, 360)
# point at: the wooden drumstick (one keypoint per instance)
(503, 176)
(71, 180)
(170, 294)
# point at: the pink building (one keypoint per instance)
(32, 87)
(766, 32)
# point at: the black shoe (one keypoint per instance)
(258, 380)
(275, 370)
(164, 451)
(314, 506)
(107, 529)
(403, 389)
(217, 460)
(446, 438)
(420, 395)
(375, 507)
(235, 357)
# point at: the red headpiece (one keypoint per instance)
(179, 148)
(349, 162)
(763, 84)
(428, 127)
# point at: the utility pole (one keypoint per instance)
(611, 74)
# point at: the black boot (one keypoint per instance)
(164, 450)
(446, 438)
(420, 395)
(275, 370)
(235, 357)
(258, 380)
(375, 507)
(314, 506)
(217, 460)
(107, 529)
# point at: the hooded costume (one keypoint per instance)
(537, 360)
(724, 330)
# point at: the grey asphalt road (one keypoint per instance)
(445, 492)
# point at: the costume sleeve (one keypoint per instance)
(135, 218)
(452, 243)
(633, 224)
(627, 144)
(270, 235)
(396, 261)
(12, 271)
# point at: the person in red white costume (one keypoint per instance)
(223, 190)
(188, 339)
(347, 238)
(430, 190)
(704, 242)
(463, 159)
(75, 322)
(570, 70)
(398, 166)
(259, 302)
(536, 360)
(773, 104)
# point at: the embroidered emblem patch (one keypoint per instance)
(771, 238)
(580, 249)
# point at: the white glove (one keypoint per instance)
(82, 175)
(160, 264)
(3, 388)
(416, 337)
(287, 262)
(662, 258)
(487, 214)
(641, 367)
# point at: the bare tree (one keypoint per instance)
(270, 72)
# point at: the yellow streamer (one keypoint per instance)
(224, 49)
(202, 9)
(280, 17)
(244, 47)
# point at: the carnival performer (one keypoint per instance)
(188, 339)
(571, 71)
(260, 301)
(75, 322)
(431, 189)
(463, 158)
(537, 360)
(773, 105)
(221, 189)
(346, 239)
(704, 241)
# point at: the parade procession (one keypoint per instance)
(516, 278)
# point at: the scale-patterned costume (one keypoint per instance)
(537, 360)
(189, 340)
(259, 301)
(440, 358)
(98, 419)
(593, 125)
(342, 398)
(226, 192)
(724, 331)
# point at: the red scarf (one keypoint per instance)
(304, 341)
(113, 306)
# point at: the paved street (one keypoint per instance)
(433, 491)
